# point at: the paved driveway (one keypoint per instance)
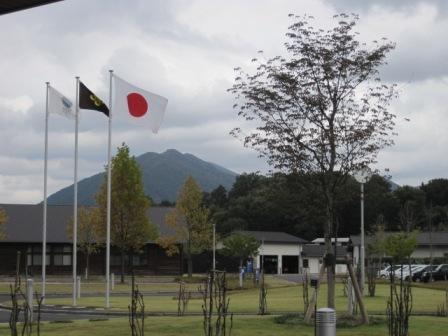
(55, 316)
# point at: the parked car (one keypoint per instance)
(399, 271)
(417, 276)
(440, 273)
(385, 272)
(402, 269)
(407, 273)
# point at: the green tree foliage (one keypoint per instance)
(91, 232)
(190, 223)
(217, 202)
(374, 254)
(3, 220)
(399, 246)
(375, 247)
(130, 225)
(411, 207)
(293, 203)
(240, 245)
(282, 202)
(436, 192)
(217, 198)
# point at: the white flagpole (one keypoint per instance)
(75, 196)
(109, 185)
(44, 228)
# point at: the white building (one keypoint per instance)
(343, 241)
(279, 252)
(313, 257)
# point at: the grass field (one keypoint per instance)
(280, 299)
(99, 287)
(282, 296)
(247, 326)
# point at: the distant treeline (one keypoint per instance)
(292, 203)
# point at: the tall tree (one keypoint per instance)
(190, 224)
(410, 207)
(375, 253)
(90, 233)
(217, 202)
(3, 219)
(399, 246)
(130, 225)
(217, 198)
(245, 183)
(240, 245)
(436, 191)
(322, 109)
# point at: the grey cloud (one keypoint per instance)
(365, 5)
(417, 58)
(148, 44)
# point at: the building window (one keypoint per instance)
(62, 255)
(139, 260)
(34, 255)
(115, 260)
(134, 259)
(306, 263)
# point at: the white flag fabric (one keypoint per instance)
(59, 104)
(137, 105)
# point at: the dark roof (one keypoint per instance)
(24, 222)
(10, 6)
(275, 237)
(356, 239)
(438, 238)
(318, 251)
(423, 238)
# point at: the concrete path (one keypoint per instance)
(56, 316)
(296, 278)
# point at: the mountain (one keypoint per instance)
(393, 185)
(163, 175)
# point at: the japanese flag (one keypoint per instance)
(136, 104)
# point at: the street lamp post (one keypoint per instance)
(362, 176)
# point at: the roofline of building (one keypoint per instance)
(5, 9)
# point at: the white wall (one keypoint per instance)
(315, 263)
(341, 269)
(279, 250)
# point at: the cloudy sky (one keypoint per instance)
(186, 50)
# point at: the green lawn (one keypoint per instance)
(279, 299)
(247, 326)
(98, 287)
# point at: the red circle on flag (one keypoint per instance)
(137, 104)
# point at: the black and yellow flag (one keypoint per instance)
(89, 101)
